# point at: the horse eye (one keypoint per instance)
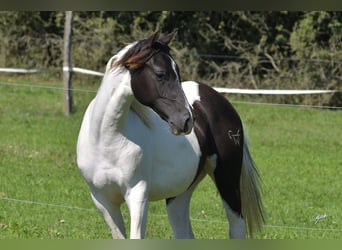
(160, 75)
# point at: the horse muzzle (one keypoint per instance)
(179, 117)
(181, 125)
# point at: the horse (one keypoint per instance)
(147, 136)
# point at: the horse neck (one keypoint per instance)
(113, 101)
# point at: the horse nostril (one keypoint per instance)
(181, 126)
(188, 125)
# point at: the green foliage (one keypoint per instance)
(271, 49)
(29, 39)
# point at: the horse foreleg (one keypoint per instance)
(111, 214)
(137, 202)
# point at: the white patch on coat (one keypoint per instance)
(237, 225)
(191, 90)
(174, 67)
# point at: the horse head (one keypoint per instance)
(156, 83)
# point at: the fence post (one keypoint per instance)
(67, 66)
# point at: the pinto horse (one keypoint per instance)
(148, 136)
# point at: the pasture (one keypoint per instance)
(43, 196)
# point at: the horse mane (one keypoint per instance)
(141, 52)
(118, 61)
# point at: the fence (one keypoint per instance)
(62, 206)
(221, 90)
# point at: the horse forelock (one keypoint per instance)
(139, 53)
(113, 61)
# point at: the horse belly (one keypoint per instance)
(174, 166)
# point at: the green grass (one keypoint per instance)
(298, 152)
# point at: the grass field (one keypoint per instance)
(42, 194)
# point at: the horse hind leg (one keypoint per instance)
(238, 183)
(230, 195)
(237, 225)
(231, 204)
(112, 215)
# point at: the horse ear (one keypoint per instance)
(154, 37)
(168, 38)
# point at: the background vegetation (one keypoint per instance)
(271, 49)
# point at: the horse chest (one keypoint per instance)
(168, 163)
(174, 165)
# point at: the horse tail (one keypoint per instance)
(250, 186)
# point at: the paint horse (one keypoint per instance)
(146, 136)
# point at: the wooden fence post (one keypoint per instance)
(67, 65)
